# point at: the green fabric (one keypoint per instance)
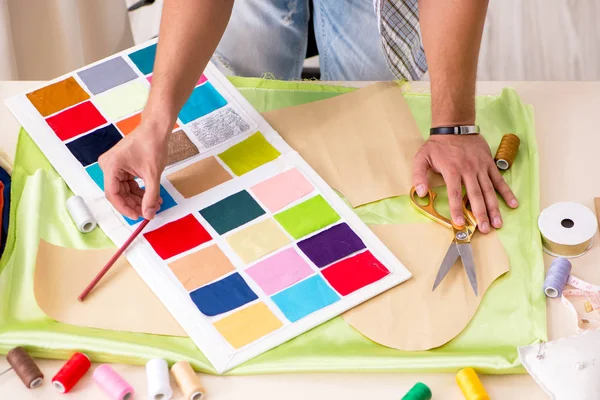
(249, 154)
(512, 312)
(307, 217)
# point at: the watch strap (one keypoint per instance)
(455, 130)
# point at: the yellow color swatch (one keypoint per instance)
(257, 240)
(248, 325)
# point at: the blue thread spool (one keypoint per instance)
(418, 392)
(557, 277)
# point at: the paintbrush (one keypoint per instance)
(113, 259)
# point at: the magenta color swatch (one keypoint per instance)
(279, 271)
(283, 189)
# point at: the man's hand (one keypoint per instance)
(142, 154)
(464, 160)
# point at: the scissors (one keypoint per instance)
(461, 242)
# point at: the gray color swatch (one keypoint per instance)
(107, 75)
(218, 126)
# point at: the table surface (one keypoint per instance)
(567, 119)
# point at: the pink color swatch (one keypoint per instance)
(200, 81)
(283, 189)
(279, 271)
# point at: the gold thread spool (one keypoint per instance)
(188, 381)
(470, 385)
(25, 368)
(507, 151)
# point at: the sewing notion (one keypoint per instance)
(115, 387)
(188, 381)
(81, 214)
(567, 229)
(157, 374)
(419, 391)
(461, 242)
(25, 368)
(470, 385)
(74, 369)
(507, 151)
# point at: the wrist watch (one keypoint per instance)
(455, 130)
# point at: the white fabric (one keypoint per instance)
(43, 39)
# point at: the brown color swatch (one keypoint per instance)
(180, 147)
(336, 137)
(199, 177)
(201, 267)
(57, 96)
(60, 275)
(410, 316)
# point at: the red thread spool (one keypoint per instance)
(71, 372)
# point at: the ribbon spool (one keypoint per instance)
(188, 381)
(71, 372)
(25, 368)
(418, 392)
(507, 151)
(567, 229)
(81, 214)
(112, 383)
(470, 385)
(157, 373)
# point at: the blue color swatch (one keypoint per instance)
(203, 100)
(95, 172)
(305, 298)
(89, 147)
(107, 75)
(224, 295)
(167, 203)
(232, 211)
(144, 59)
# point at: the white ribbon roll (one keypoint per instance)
(159, 386)
(81, 214)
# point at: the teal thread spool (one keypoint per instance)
(418, 392)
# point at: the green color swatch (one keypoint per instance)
(231, 212)
(307, 217)
(249, 154)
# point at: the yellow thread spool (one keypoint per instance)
(470, 385)
(507, 151)
(188, 381)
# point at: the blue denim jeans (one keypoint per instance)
(270, 37)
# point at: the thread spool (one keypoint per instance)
(418, 392)
(567, 229)
(188, 381)
(25, 368)
(81, 214)
(507, 151)
(470, 385)
(112, 383)
(159, 386)
(70, 373)
(557, 277)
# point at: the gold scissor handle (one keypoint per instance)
(428, 209)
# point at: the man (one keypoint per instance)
(355, 42)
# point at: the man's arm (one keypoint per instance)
(190, 31)
(451, 31)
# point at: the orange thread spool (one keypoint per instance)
(507, 151)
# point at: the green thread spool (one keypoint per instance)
(418, 392)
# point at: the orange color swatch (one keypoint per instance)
(57, 96)
(201, 267)
(127, 125)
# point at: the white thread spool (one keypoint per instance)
(81, 214)
(159, 385)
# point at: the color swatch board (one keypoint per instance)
(250, 247)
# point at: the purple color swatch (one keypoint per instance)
(331, 245)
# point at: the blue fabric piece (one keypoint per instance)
(6, 180)
(203, 100)
(221, 296)
(89, 147)
(167, 203)
(144, 59)
(305, 298)
(232, 211)
(95, 172)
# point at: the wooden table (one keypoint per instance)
(567, 117)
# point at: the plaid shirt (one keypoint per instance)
(398, 22)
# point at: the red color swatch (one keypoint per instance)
(354, 273)
(177, 236)
(75, 121)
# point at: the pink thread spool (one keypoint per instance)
(112, 383)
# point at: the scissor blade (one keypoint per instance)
(447, 263)
(466, 254)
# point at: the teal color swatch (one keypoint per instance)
(95, 172)
(232, 211)
(144, 58)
